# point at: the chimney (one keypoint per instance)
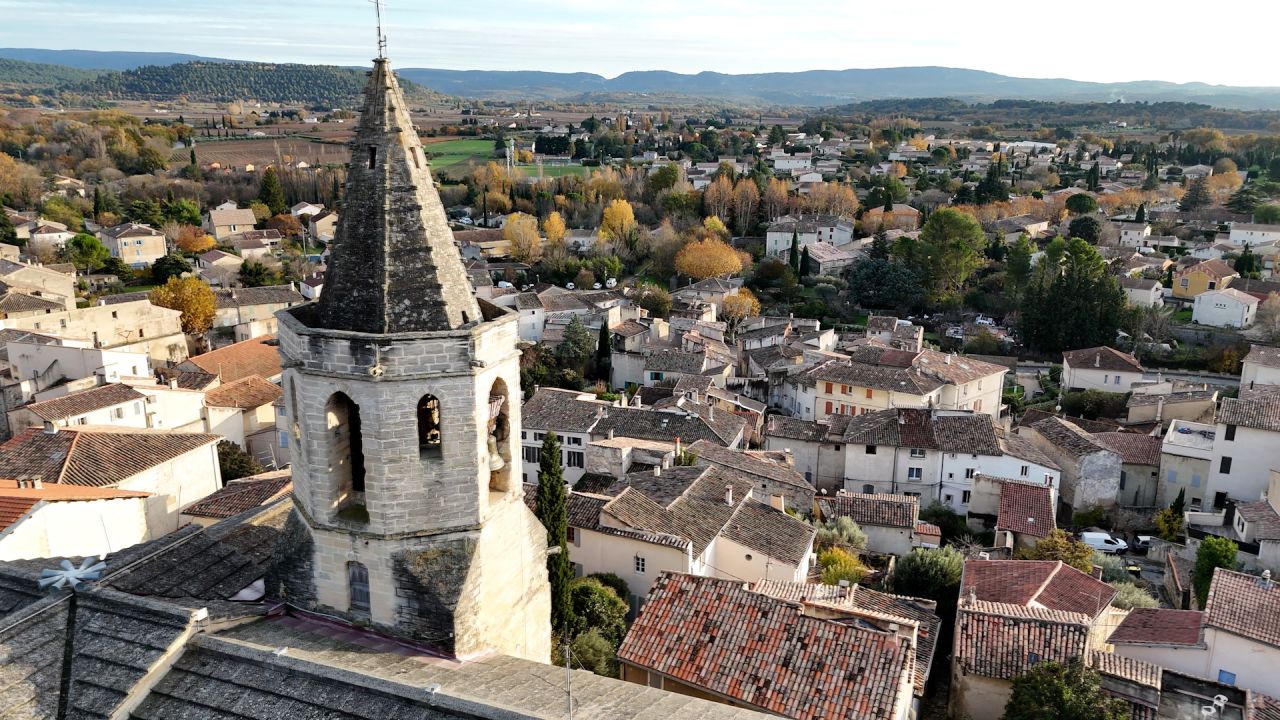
(609, 433)
(173, 383)
(728, 494)
(948, 358)
(678, 448)
(657, 470)
(1159, 408)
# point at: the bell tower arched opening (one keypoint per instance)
(499, 437)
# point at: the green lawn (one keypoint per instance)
(455, 155)
(1183, 316)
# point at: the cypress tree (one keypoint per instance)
(97, 202)
(554, 516)
(1141, 215)
(271, 193)
(804, 262)
(794, 260)
(603, 361)
(888, 202)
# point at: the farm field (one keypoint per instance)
(456, 157)
(238, 153)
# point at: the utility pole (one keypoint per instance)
(568, 682)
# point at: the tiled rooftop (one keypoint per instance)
(1159, 626)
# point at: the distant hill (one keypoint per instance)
(833, 87)
(319, 85)
(102, 60)
(15, 73)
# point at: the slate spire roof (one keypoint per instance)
(394, 266)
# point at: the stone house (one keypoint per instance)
(259, 356)
(222, 224)
(808, 229)
(1139, 466)
(243, 412)
(891, 522)
(1019, 511)
(40, 281)
(1090, 470)
(136, 245)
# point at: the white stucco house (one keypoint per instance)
(1100, 368)
(1225, 308)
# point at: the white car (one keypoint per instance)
(1104, 542)
(984, 320)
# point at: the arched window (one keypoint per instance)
(429, 437)
(346, 450)
(358, 583)
(499, 438)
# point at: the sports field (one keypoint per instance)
(456, 156)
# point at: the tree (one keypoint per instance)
(1197, 196)
(554, 229)
(604, 362)
(236, 463)
(839, 565)
(591, 651)
(804, 261)
(880, 247)
(520, 232)
(1072, 300)
(618, 222)
(169, 266)
(746, 200)
(1269, 317)
(1268, 214)
(1130, 596)
(794, 258)
(1085, 227)
(194, 240)
(653, 298)
(552, 512)
(776, 197)
(86, 252)
(1214, 552)
(777, 136)
(193, 298)
(883, 284)
(708, 258)
(933, 574)
(1141, 214)
(115, 266)
(1056, 691)
(1082, 204)
(8, 234)
(739, 307)
(271, 192)
(576, 348)
(255, 274)
(949, 249)
(842, 531)
(1017, 263)
(717, 198)
(286, 224)
(596, 605)
(1058, 545)
(186, 212)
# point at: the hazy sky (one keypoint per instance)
(1083, 40)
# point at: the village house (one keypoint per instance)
(219, 268)
(323, 226)
(306, 208)
(248, 415)
(259, 356)
(1013, 614)
(136, 245)
(704, 521)
(777, 673)
(1202, 277)
(238, 496)
(1186, 454)
(1246, 447)
(39, 281)
(222, 223)
(1253, 234)
(827, 259)
(807, 229)
(178, 467)
(1090, 470)
(891, 522)
(1163, 409)
(1235, 639)
(117, 405)
(1227, 307)
(251, 312)
(1142, 292)
(1100, 368)
(876, 378)
(47, 236)
(41, 520)
(1139, 466)
(1019, 511)
(1260, 367)
(129, 326)
(902, 217)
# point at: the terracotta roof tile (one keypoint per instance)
(1001, 640)
(1102, 358)
(1040, 583)
(93, 458)
(1126, 668)
(258, 356)
(1244, 605)
(13, 508)
(243, 494)
(247, 392)
(85, 401)
(880, 509)
(1159, 626)
(1025, 508)
(721, 636)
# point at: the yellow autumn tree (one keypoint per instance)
(718, 197)
(554, 230)
(709, 257)
(193, 298)
(739, 307)
(618, 222)
(777, 195)
(192, 239)
(521, 235)
(716, 226)
(746, 200)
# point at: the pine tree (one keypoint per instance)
(553, 514)
(794, 260)
(8, 235)
(1197, 196)
(879, 246)
(271, 193)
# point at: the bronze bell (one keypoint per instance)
(496, 462)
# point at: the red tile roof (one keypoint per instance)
(872, 509)
(94, 458)
(259, 356)
(1126, 668)
(1244, 605)
(12, 510)
(1133, 448)
(1047, 584)
(246, 393)
(1102, 358)
(1025, 508)
(243, 494)
(720, 636)
(1002, 640)
(84, 401)
(1159, 626)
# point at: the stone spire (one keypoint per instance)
(394, 266)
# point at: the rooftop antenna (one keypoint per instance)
(382, 39)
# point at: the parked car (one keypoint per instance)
(1104, 542)
(1142, 543)
(984, 320)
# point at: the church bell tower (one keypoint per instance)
(402, 392)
